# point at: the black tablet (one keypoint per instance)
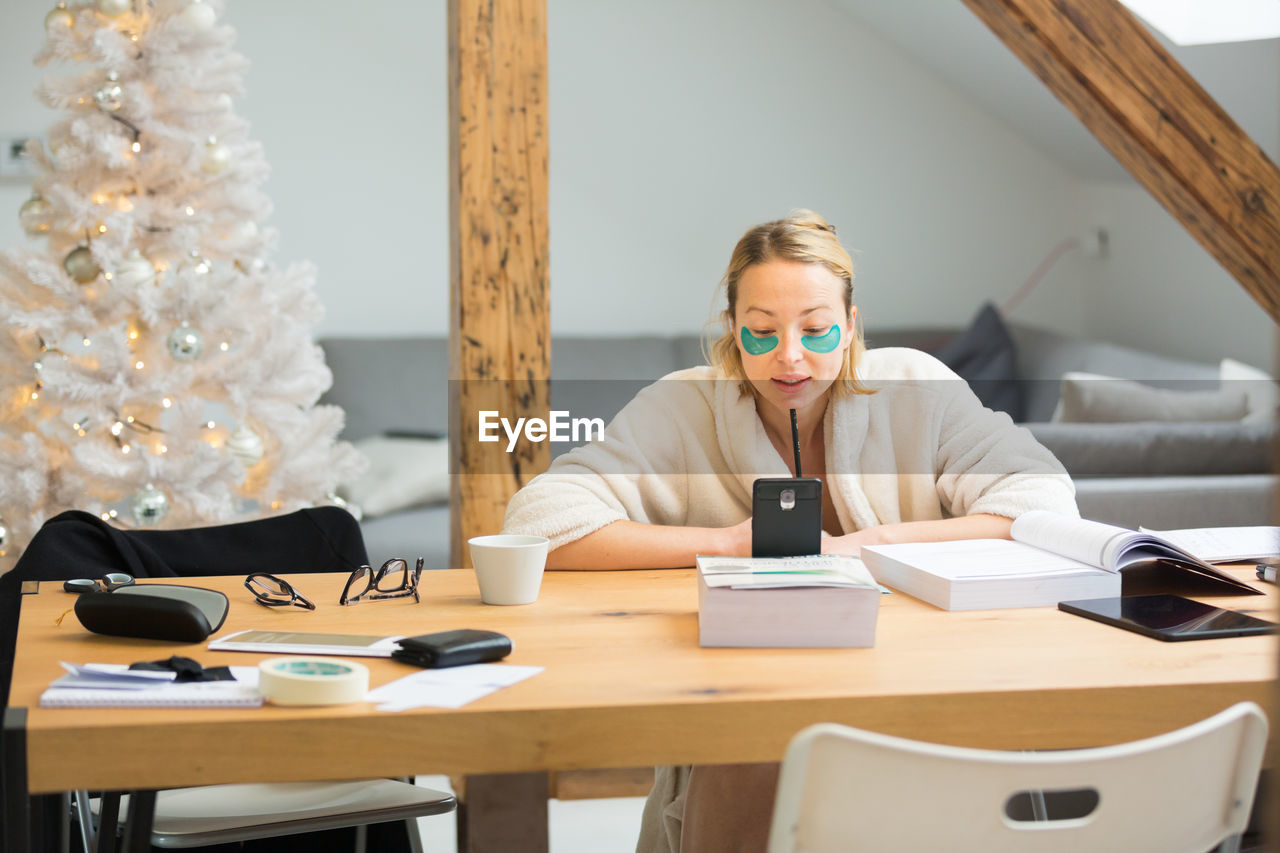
(1168, 617)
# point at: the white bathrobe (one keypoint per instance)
(687, 449)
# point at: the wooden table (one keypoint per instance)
(626, 684)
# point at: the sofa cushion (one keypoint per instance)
(1092, 398)
(1172, 503)
(403, 472)
(1259, 388)
(983, 355)
(1158, 449)
(389, 384)
(1045, 355)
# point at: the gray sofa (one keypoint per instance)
(1159, 474)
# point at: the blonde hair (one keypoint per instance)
(806, 237)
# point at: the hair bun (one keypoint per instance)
(806, 218)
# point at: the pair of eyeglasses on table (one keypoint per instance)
(106, 583)
(393, 580)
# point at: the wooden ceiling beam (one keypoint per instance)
(1154, 118)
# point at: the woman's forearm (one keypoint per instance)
(966, 527)
(634, 545)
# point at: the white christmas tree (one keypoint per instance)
(154, 368)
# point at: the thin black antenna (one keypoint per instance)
(795, 441)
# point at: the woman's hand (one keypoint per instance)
(967, 527)
(850, 544)
(736, 540)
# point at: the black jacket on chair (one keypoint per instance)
(76, 544)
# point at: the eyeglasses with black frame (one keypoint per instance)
(106, 583)
(368, 584)
(271, 591)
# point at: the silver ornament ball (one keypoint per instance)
(245, 445)
(4, 537)
(149, 506)
(81, 265)
(134, 272)
(199, 16)
(216, 157)
(59, 17)
(200, 265)
(185, 343)
(36, 215)
(110, 95)
(114, 8)
(353, 509)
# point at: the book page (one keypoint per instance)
(1225, 544)
(781, 572)
(983, 559)
(1089, 542)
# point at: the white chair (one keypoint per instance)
(844, 789)
(218, 814)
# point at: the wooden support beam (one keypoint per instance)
(499, 337)
(1159, 123)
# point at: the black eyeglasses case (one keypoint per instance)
(154, 612)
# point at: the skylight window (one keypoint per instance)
(1187, 22)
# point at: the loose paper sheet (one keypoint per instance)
(451, 687)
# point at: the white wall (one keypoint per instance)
(674, 126)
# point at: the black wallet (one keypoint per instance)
(453, 648)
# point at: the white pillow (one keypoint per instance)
(403, 472)
(1092, 398)
(1259, 389)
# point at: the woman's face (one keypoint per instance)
(792, 331)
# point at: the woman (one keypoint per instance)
(905, 452)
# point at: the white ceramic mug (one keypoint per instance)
(509, 567)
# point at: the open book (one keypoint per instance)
(1054, 558)
(1112, 548)
(1225, 544)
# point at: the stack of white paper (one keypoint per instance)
(978, 574)
(786, 602)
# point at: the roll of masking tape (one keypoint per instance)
(312, 681)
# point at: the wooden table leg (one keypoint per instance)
(504, 812)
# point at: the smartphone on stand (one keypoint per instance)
(786, 517)
(786, 512)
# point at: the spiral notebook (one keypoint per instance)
(81, 688)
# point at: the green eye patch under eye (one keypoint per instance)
(821, 343)
(757, 345)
